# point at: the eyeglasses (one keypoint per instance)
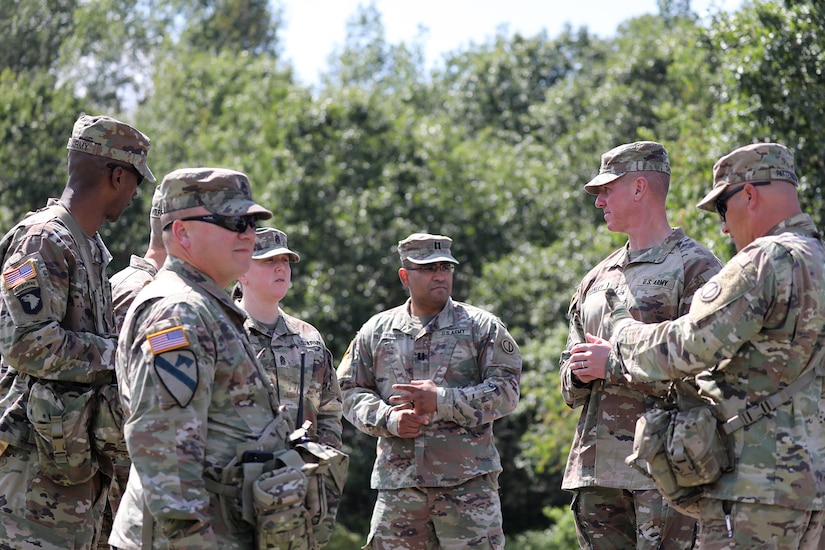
(721, 203)
(432, 269)
(112, 166)
(238, 224)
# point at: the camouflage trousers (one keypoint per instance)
(37, 513)
(758, 526)
(420, 518)
(610, 519)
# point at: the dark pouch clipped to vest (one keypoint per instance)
(61, 416)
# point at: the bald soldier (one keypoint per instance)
(194, 395)
(752, 330)
(428, 379)
(57, 341)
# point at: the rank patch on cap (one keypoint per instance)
(20, 274)
(166, 340)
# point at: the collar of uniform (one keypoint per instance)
(800, 223)
(444, 318)
(655, 254)
(197, 278)
(281, 327)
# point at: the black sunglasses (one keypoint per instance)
(238, 224)
(128, 169)
(721, 204)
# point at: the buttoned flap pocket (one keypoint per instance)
(395, 349)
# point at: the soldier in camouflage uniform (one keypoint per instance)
(754, 328)
(656, 274)
(286, 344)
(428, 378)
(193, 393)
(57, 341)
(127, 282)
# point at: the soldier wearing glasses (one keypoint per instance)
(57, 341)
(193, 392)
(428, 378)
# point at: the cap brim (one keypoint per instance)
(145, 172)
(604, 178)
(293, 256)
(707, 203)
(241, 208)
(432, 258)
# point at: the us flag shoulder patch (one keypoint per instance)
(19, 274)
(166, 340)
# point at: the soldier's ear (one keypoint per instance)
(180, 233)
(404, 275)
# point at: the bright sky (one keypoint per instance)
(314, 28)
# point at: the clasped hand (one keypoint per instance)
(588, 360)
(414, 403)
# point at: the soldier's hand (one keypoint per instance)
(588, 361)
(409, 422)
(421, 394)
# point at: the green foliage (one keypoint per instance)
(491, 148)
(36, 117)
(561, 535)
(771, 85)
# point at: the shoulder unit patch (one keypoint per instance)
(178, 372)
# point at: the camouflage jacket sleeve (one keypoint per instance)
(47, 328)
(499, 364)
(575, 392)
(167, 441)
(731, 309)
(330, 407)
(362, 404)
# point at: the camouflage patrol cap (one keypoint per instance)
(155, 225)
(271, 242)
(424, 248)
(219, 190)
(106, 137)
(755, 162)
(156, 198)
(638, 156)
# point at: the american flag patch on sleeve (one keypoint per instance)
(20, 274)
(165, 340)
